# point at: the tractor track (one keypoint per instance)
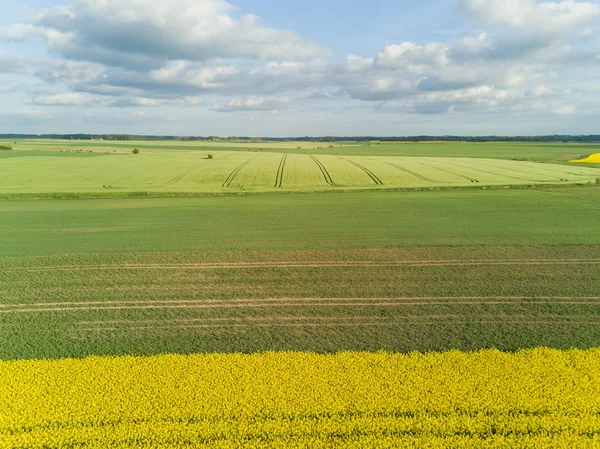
(496, 173)
(526, 172)
(468, 178)
(181, 176)
(410, 172)
(324, 171)
(235, 172)
(371, 175)
(550, 167)
(208, 304)
(307, 264)
(280, 169)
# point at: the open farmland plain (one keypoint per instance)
(98, 168)
(342, 274)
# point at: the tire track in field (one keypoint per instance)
(324, 171)
(334, 325)
(313, 264)
(340, 321)
(468, 178)
(549, 167)
(495, 173)
(410, 172)
(293, 302)
(182, 175)
(524, 171)
(235, 172)
(371, 175)
(280, 169)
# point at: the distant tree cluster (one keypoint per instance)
(5, 147)
(550, 138)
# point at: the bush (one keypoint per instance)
(5, 147)
(210, 156)
(136, 151)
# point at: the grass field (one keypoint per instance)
(534, 151)
(388, 270)
(539, 398)
(47, 167)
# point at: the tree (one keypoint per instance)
(136, 151)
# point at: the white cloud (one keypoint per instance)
(252, 104)
(10, 63)
(529, 15)
(186, 53)
(564, 110)
(62, 99)
(143, 32)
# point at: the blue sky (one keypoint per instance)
(261, 67)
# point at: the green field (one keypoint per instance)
(77, 167)
(534, 151)
(370, 270)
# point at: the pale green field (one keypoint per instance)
(163, 170)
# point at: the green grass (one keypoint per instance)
(41, 167)
(311, 221)
(325, 272)
(541, 152)
(399, 300)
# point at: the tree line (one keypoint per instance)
(549, 138)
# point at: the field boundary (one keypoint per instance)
(103, 195)
(371, 175)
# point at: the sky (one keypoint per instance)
(300, 68)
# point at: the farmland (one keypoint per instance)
(289, 400)
(103, 168)
(294, 268)
(497, 268)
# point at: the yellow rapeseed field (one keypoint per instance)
(533, 398)
(594, 158)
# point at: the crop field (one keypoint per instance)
(497, 268)
(533, 151)
(292, 320)
(189, 171)
(591, 159)
(297, 400)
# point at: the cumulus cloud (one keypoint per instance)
(62, 99)
(527, 28)
(252, 104)
(529, 15)
(202, 53)
(12, 63)
(144, 33)
(564, 110)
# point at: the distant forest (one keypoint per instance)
(553, 138)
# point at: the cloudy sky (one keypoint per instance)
(300, 67)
